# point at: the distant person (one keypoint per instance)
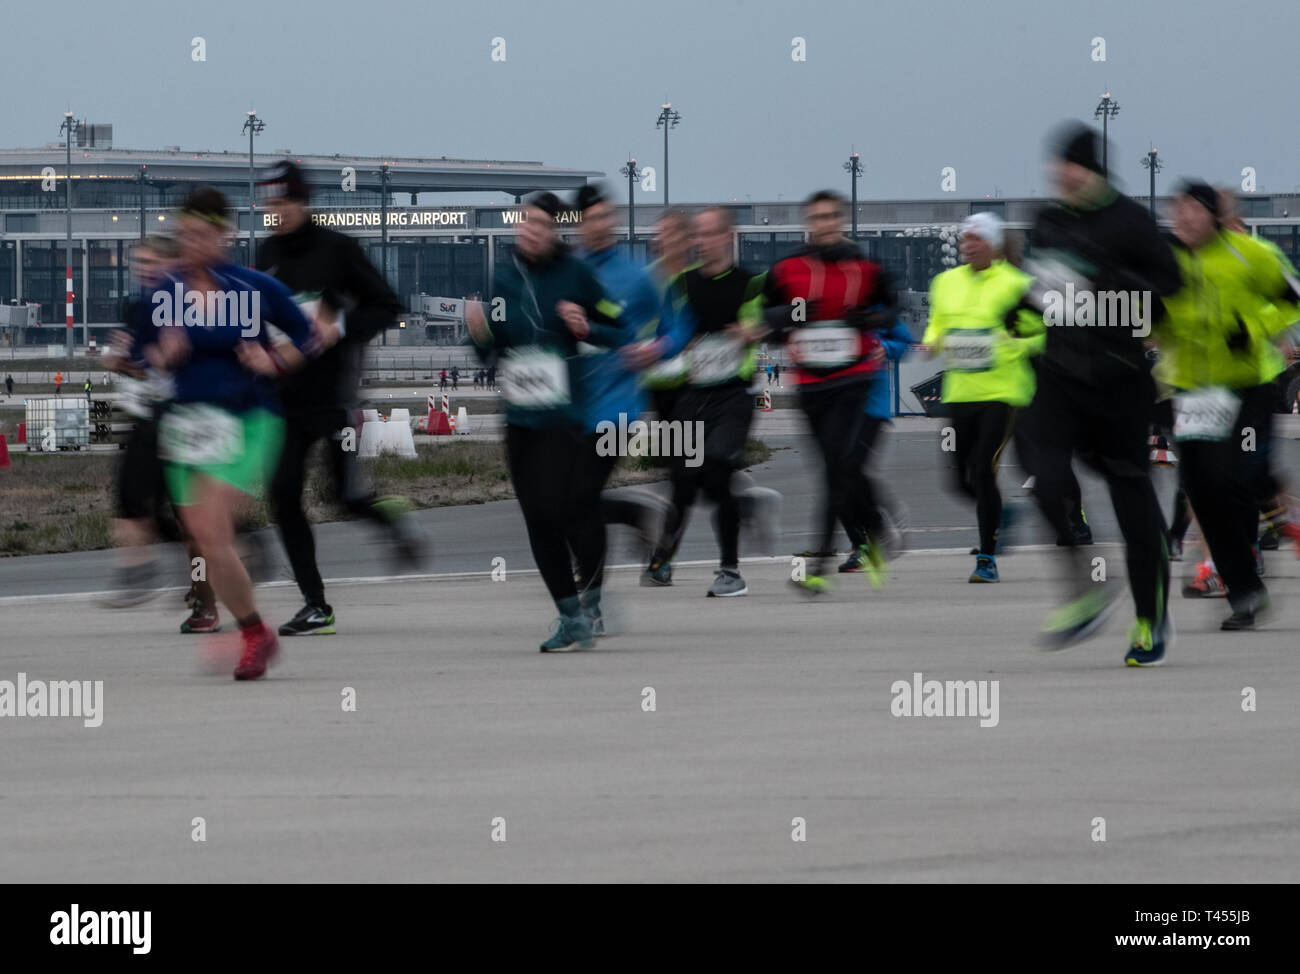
(769, 373)
(455, 377)
(776, 373)
(492, 377)
(442, 380)
(58, 382)
(88, 387)
(9, 385)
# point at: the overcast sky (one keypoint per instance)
(914, 86)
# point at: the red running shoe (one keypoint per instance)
(260, 650)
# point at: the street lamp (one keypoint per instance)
(1149, 161)
(384, 177)
(253, 126)
(1106, 109)
(668, 119)
(854, 168)
(69, 126)
(632, 174)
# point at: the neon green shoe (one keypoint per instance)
(1147, 644)
(873, 563)
(1075, 621)
(813, 584)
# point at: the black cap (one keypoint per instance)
(1203, 193)
(1077, 143)
(547, 202)
(588, 196)
(285, 181)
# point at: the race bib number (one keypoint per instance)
(825, 347)
(715, 359)
(969, 350)
(535, 378)
(1206, 414)
(195, 434)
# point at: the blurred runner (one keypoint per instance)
(226, 333)
(348, 302)
(1095, 394)
(544, 302)
(827, 303)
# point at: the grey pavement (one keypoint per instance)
(768, 709)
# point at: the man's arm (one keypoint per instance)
(375, 306)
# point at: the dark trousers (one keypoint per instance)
(982, 430)
(836, 417)
(551, 476)
(725, 413)
(868, 434)
(1107, 427)
(1223, 481)
(301, 432)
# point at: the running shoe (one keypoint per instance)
(132, 585)
(986, 569)
(202, 619)
(1147, 644)
(1075, 621)
(1081, 532)
(856, 562)
(191, 595)
(1175, 549)
(1206, 585)
(590, 602)
(260, 650)
(813, 584)
(660, 572)
(1247, 612)
(873, 553)
(311, 620)
(1269, 538)
(410, 544)
(570, 633)
(727, 583)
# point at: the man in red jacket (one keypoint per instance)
(827, 303)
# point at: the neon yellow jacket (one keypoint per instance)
(1238, 295)
(979, 320)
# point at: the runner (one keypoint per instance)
(725, 304)
(1217, 350)
(349, 303)
(544, 302)
(229, 334)
(981, 322)
(611, 388)
(827, 303)
(143, 514)
(1095, 393)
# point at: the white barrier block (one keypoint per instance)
(462, 420)
(371, 434)
(400, 416)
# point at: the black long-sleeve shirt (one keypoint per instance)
(315, 262)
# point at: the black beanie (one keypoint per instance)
(547, 202)
(1203, 193)
(588, 196)
(1078, 144)
(285, 181)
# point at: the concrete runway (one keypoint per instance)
(768, 709)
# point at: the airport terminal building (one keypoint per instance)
(403, 211)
